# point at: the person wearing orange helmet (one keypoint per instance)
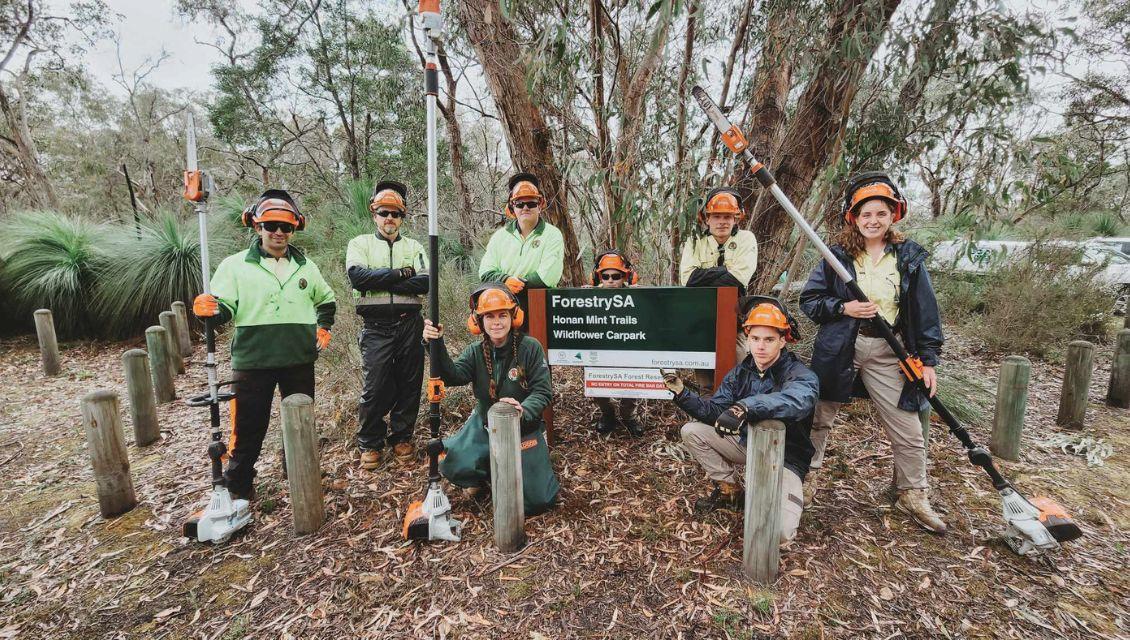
(770, 384)
(721, 256)
(506, 366)
(526, 252)
(387, 272)
(849, 350)
(282, 309)
(613, 270)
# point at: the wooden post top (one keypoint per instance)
(155, 329)
(503, 410)
(1081, 343)
(135, 353)
(100, 395)
(42, 312)
(297, 400)
(769, 425)
(1017, 360)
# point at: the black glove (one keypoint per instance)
(407, 272)
(732, 421)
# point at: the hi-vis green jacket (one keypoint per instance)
(276, 317)
(538, 259)
(380, 290)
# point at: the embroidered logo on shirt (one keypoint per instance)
(535, 244)
(733, 244)
(302, 283)
(513, 374)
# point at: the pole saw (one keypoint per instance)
(1034, 526)
(430, 518)
(223, 516)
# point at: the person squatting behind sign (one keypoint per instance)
(770, 384)
(613, 270)
(509, 367)
(283, 310)
(720, 256)
(849, 351)
(389, 279)
(526, 252)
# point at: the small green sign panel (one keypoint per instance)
(671, 327)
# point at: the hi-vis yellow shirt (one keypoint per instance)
(880, 282)
(702, 251)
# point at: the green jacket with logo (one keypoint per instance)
(538, 259)
(380, 290)
(276, 317)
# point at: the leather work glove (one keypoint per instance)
(323, 338)
(673, 382)
(205, 305)
(732, 421)
(407, 272)
(515, 284)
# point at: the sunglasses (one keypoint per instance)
(273, 226)
(528, 204)
(613, 276)
(391, 213)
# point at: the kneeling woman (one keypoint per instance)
(505, 367)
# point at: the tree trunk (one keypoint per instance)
(455, 145)
(527, 136)
(821, 119)
(26, 153)
(682, 181)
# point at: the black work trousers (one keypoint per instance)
(251, 413)
(392, 362)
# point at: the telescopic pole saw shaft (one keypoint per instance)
(433, 25)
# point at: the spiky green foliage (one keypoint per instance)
(1106, 225)
(147, 275)
(52, 263)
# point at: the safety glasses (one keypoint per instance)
(527, 204)
(272, 226)
(613, 276)
(390, 213)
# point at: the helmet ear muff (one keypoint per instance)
(473, 325)
(519, 318)
(247, 216)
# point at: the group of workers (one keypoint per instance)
(283, 310)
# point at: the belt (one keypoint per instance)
(868, 329)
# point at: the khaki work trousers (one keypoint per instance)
(720, 456)
(879, 368)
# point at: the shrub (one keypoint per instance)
(52, 263)
(960, 295)
(1039, 303)
(147, 274)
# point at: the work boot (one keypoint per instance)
(914, 503)
(604, 424)
(726, 495)
(404, 451)
(811, 486)
(632, 424)
(371, 458)
(480, 493)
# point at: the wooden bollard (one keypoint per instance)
(142, 408)
(1076, 381)
(1119, 393)
(1012, 402)
(504, 430)
(108, 453)
(168, 321)
(304, 474)
(48, 345)
(764, 464)
(184, 334)
(159, 368)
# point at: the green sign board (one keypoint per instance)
(637, 327)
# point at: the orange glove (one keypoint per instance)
(205, 305)
(515, 284)
(323, 338)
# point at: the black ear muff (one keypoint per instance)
(247, 216)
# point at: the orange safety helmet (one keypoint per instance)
(493, 297)
(273, 205)
(388, 194)
(871, 185)
(613, 259)
(725, 200)
(524, 186)
(764, 311)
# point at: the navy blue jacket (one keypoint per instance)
(786, 392)
(919, 323)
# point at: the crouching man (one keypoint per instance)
(769, 384)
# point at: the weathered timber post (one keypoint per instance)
(1012, 401)
(765, 457)
(159, 368)
(142, 406)
(108, 453)
(504, 427)
(304, 475)
(48, 345)
(1076, 381)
